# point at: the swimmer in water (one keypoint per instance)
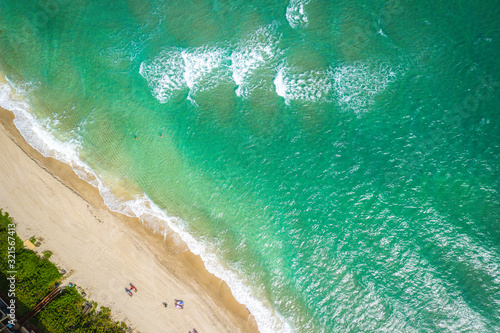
(161, 136)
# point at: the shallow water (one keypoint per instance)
(336, 163)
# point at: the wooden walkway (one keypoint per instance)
(43, 303)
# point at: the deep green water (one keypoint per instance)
(336, 162)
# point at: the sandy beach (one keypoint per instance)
(103, 251)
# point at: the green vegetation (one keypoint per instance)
(64, 314)
(36, 242)
(34, 279)
(34, 276)
(47, 254)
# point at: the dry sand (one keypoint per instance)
(103, 251)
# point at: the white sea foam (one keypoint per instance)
(357, 84)
(259, 50)
(165, 74)
(33, 132)
(279, 83)
(305, 86)
(175, 69)
(203, 68)
(142, 206)
(295, 13)
(352, 86)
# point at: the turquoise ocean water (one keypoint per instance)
(336, 162)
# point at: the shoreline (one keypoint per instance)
(155, 260)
